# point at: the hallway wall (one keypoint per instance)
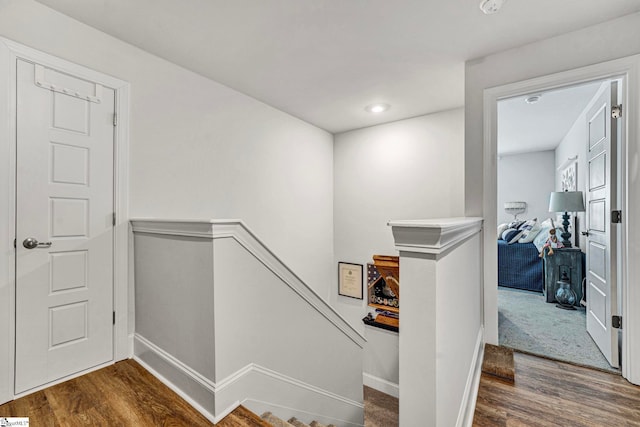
(410, 169)
(588, 46)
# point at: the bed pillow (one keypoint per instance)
(501, 229)
(516, 224)
(511, 235)
(527, 224)
(530, 231)
(547, 223)
(543, 235)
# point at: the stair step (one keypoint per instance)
(275, 421)
(241, 416)
(317, 424)
(498, 361)
(297, 423)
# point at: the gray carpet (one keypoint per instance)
(527, 323)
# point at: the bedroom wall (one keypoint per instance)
(527, 177)
(202, 150)
(410, 169)
(588, 46)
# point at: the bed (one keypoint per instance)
(519, 266)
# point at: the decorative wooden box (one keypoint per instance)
(383, 288)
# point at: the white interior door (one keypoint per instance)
(64, 200)
(602, 135)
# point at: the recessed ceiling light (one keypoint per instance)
(533, 99)
(491, 6)
(377, 108)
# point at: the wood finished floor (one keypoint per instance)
(547, 393)
(123, 394)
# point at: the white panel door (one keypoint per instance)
(602, 134)
(64, 200)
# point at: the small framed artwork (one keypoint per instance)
(569, 177)
(350, 280)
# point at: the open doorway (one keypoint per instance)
(546, 144)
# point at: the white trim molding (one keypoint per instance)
(251, 383)
(380, 384)
(10, 52)
(238, 231)
(628, 71)
(468, 406)
(433, 236)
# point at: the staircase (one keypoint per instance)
(293, 422)
(243, 417)
(214, 309)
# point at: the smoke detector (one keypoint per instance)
(491, 6)
(533, 99)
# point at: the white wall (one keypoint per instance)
(588, 46)
(202, 150)
(214, 312)
(381, 358)
(528, 177)
(457, 292)
(411, 169)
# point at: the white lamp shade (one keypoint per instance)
(566, 201)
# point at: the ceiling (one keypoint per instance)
(325, 60)
(525, 128)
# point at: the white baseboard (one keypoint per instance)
(468, 405)
(252, 383)
(130, 343)
(261, 390)
(381, 385)
(175, 376)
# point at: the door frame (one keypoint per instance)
(10, 52)
(628, 70)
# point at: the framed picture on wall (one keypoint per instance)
(350, 280)
(569, 177)
(569, 182)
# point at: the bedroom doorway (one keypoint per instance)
(549, 142)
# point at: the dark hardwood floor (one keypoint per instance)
(124, 394)
(547, 393)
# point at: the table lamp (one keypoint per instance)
(566, 201)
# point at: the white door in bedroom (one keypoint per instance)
(64, 200)
(602, 300)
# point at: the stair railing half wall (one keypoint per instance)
(441, 339)
(223, 321)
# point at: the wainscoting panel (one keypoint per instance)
(221, 320)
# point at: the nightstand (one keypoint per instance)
(563, 260)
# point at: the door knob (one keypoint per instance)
(584, 233)
(31, 243)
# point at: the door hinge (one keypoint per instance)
(616, 322)
(115, 119)
(113, 222)
(616, 217)
(616, 111)
(114, 317)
